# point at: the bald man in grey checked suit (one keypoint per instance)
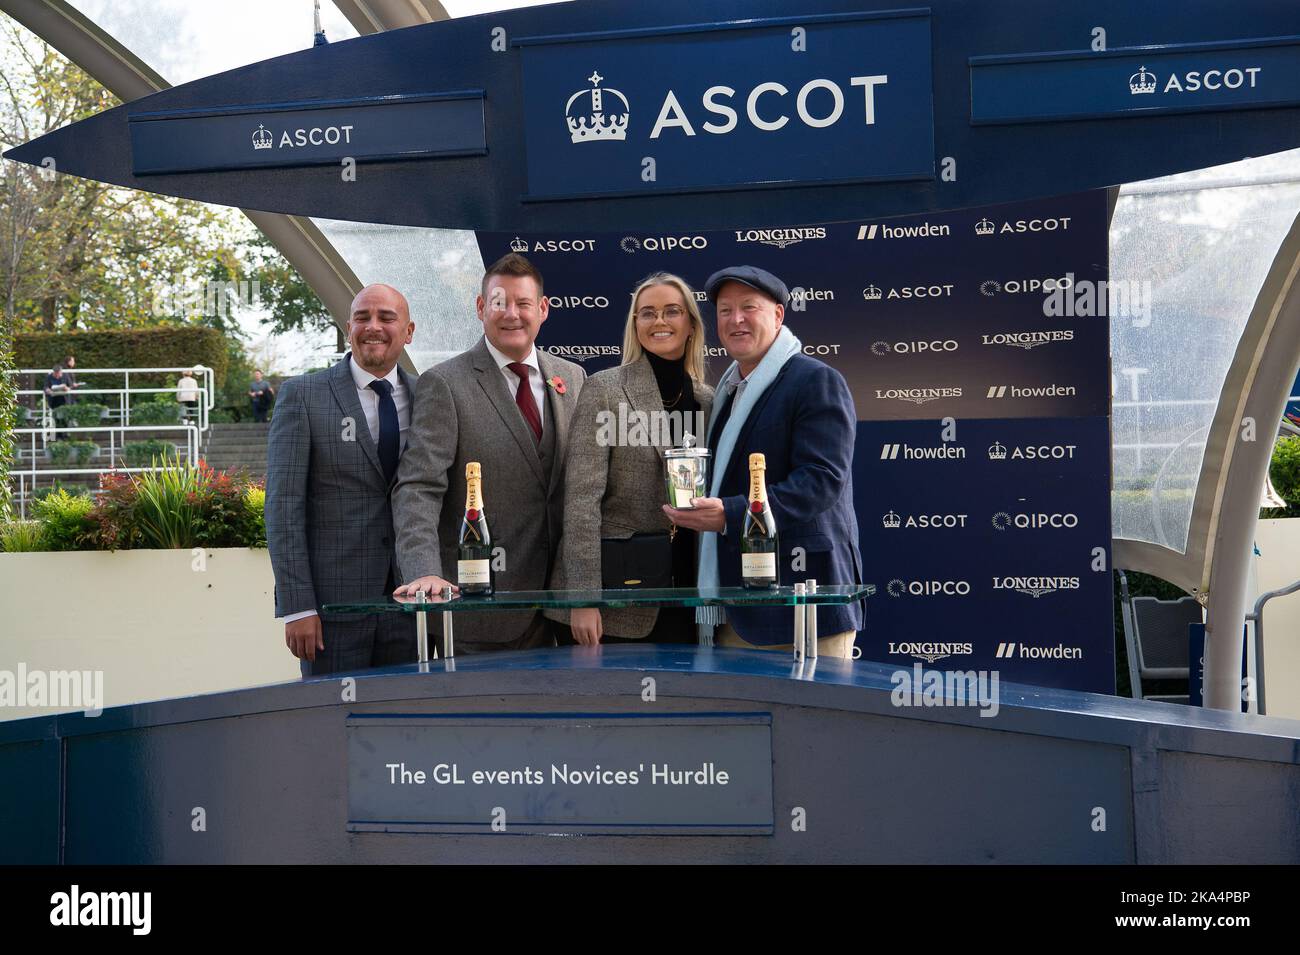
(336, 438)
(506, 405)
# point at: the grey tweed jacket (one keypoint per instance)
(329, 526)
(628, 481)
(465, 412)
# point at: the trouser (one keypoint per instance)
(672, 625)
(835, 645)
(538, 634)
(375, 640)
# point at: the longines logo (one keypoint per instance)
(552, 245)
(1003, 520)
(993, 287)
(663, 243)
(1028, 340)
(927, 588)
(264, 138)
(914, 348)
(931, 651)
(1021, 651)
(917, 396)
(873, 293)
(988, 227)
(595, 123)
(1031, 452)
(922, 231)
(1036, 391)
(577, 301)
(1145, 83)
(912, 452)
(1036, 586)
(893, 520)
(583, 352)
(779, 237)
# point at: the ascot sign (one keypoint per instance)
(834, 98)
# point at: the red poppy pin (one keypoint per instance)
(557, 383)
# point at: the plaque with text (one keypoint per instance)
(676, 774)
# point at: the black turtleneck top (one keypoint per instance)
(674, 384)
(678, 396)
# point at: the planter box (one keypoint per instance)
(156, 626)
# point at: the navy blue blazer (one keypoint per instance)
(805, 424)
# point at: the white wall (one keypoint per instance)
(1278, 566)
(158, 624)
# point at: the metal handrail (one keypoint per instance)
(204, 375)
(123, 404)
(1257, 617)
(22, 475)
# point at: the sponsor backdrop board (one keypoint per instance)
(976, 347)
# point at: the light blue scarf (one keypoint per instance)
(783, 349)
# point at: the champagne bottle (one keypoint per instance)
(474, 564)
(758, 538)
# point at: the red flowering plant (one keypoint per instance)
(180, 506)
(556, 382)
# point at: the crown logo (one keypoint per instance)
(997, 451)
(892, 520)
(984, 227)
(1142, 82)
(262, 138)
(596, 123)
(871, 293)
(519, 245)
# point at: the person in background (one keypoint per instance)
(187, 393)
(797, 412)
(331, 457)
(260, 394)
(614, 491)
(56, 394)
(70, 378)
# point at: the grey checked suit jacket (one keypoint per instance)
(465, 412)
(628, 483)
(329, 525)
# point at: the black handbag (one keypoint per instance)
(642, 561)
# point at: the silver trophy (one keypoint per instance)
(687, 473)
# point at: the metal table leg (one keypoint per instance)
(810, 628)
(448, 640)
(799, 611)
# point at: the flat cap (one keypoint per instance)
(750, 275)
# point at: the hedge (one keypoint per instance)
(163, 347)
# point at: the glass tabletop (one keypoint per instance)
(573, 599)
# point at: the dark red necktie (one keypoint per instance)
(524, 399)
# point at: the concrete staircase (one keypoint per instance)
(241, 445)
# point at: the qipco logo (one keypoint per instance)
(921, 347)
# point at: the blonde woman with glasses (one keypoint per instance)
(615, 532)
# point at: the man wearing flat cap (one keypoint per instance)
(798, 412)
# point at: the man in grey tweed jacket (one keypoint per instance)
(336, 437)
(505, 404)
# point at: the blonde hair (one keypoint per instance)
(694, 358)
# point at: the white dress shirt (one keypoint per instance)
(369, 399)
(535, 381)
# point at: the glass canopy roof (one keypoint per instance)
(1188, 252)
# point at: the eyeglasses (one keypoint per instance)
(671, 313)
